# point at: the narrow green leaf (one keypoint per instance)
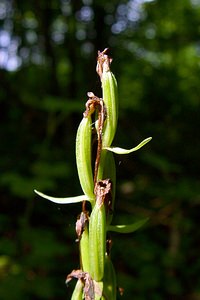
(127, 228)
(67, 200)
(118, 150)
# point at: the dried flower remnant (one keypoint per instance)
(96, 278)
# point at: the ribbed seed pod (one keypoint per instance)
(107, 169)
(83, 156)
(78, 291)
(110, 98)
(84, 247)
(97, 241)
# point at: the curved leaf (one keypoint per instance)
(127, 228)
(118, 150)
(67, 200)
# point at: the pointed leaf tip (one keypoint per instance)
(67, 200)
(127, 228)
(118, 150)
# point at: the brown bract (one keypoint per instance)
(103, 62)
(91, 287)
(96, 103)
(80, 223)
(92, 104)
(103, 191)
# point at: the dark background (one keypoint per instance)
(48, 55)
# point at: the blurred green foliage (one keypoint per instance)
(47, 59)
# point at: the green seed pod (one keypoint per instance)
(109, 281)
(84, 249)
(110, 97)
(78, 291)
(83, 157)
(97, 230)
(97, 241)
(98, 290)
(107, 169)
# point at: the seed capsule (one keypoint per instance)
(109, 88)
(97, 230)
(83, 156)
(97, 241)
(84, 246)
(107, 169)
(110, 97)
(78, 291)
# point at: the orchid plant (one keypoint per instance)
(96, 277)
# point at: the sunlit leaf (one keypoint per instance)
(66, 200)
(118, 150)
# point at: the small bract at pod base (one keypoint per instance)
(96, 278)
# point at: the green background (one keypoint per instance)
(48, 55)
